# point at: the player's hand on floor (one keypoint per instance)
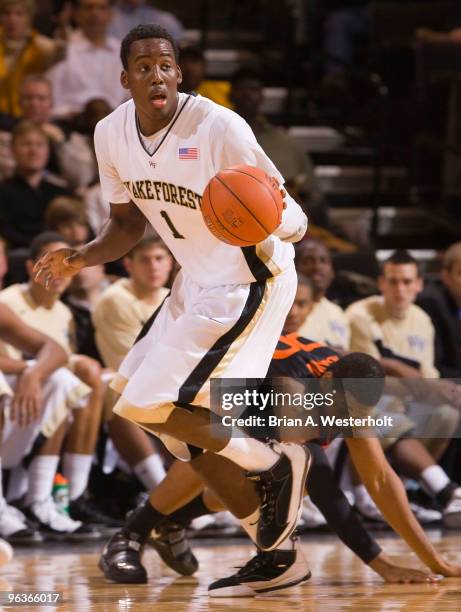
(407, 575)
(55, 265)
(451, 570)
(390, 572)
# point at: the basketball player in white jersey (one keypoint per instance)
(156, 153)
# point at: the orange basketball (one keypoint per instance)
(242, 205)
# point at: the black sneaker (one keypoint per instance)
(267, 571)
(282, 490)
(81, 509)
(171, 544)
(121, 559)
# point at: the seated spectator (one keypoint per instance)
(326, 321)
(92, 66)
(295, 166)
(127, 14)
(45, 312)
(22, 51)
(35, 101)
(391, 328)
(37, 397)
(193, 67)
(66, 216)
(442, 302)
(25, 196)
(127, 304)
(118, 317)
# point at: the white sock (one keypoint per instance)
(250, 454)
(17, 483)
(434, 479)
(76, 468)
(249, 523)
(150, 471)
(42, 470)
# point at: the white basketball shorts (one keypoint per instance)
(198, 333)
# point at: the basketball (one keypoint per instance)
(242, 205)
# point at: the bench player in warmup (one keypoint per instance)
(156, 154)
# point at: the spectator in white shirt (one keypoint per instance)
(127, 14)
(92, 66)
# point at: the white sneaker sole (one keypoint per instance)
(296, 574)
(295, 453)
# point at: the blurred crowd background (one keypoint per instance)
(358, 105)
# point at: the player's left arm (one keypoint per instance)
(389, 495)
(294, 221)
(238, 145)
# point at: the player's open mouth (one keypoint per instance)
(158, 100)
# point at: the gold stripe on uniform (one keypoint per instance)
(267, 260)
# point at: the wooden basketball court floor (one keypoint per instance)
(340, 581)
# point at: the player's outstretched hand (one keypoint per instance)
(54, 265)
(406, 575)
(390, 572)
(450, 570)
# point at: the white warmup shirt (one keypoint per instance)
(167, 185)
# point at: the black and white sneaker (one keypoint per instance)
(170, 542)
(265, 572)
(281, 490)
(121, 559)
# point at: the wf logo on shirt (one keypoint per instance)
(416, 342)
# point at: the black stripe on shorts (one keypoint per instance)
(150, 321)
(204, 369)
(258, 268)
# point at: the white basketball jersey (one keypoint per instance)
(202, 139)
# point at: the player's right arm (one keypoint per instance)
(123, 230)
(387, 491)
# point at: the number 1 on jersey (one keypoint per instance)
(169, 222)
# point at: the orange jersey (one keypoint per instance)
(298, 357)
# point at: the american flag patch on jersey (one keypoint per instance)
(188, 153)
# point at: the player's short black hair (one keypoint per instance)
(400, 257)
(140, 32)
(42, 240)
(246, 74)
(360, 366)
